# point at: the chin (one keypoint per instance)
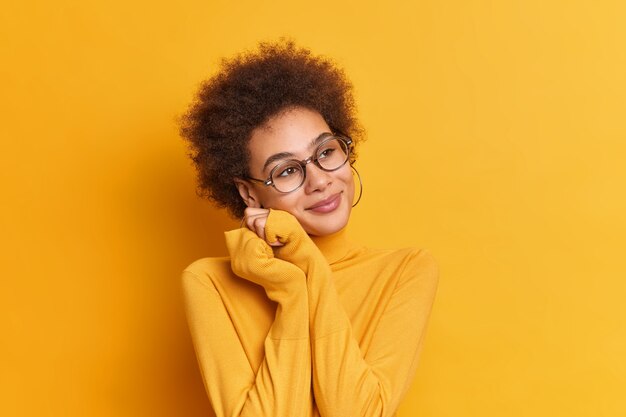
(324, 230)
(326, 224)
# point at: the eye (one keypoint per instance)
(292, 170)
(325, 153)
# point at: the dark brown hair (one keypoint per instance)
(244, 94)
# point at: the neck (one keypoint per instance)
(335, 246)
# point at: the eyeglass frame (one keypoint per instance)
(347, 140)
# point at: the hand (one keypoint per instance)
(252, 259)
(297, 246)
(255, 220)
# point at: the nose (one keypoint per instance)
(316, 179)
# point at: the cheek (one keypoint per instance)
(348, 179)
(286, 202)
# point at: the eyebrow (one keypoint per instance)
(285, 155)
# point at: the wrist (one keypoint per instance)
(283, 227)
(252, 258)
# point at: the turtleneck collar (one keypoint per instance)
(336, 246)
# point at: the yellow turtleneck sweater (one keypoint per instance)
(319, 326)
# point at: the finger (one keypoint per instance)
(250, 213)
(259, 226)
(249, 218)
(255, 211)
(250, 223)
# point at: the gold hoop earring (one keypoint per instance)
(360, 185)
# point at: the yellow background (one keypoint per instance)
(496, 139)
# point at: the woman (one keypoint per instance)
(298, 321)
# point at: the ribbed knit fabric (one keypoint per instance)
(320, 326)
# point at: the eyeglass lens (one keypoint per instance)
(330, 155)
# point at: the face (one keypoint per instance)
(323, 203)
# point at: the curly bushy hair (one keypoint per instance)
(246, 92)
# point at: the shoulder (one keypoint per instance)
(208, 265)
(420, 271)
(420, 258)
(416, 257)
(205, 271)
(410, 263)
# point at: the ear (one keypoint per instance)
(247, 192)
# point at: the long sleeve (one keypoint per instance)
(346, 382)
(281, 385)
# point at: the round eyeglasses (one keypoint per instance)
(330, 155)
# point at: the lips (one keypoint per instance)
(325, 202)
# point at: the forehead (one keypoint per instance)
(290, 131)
